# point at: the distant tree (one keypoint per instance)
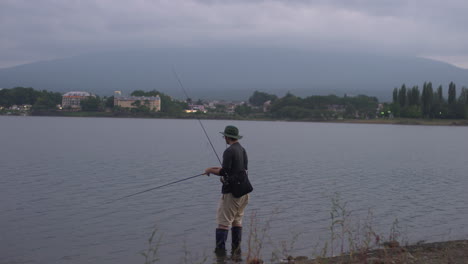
(402, 96)
(259, 98)
(462, 104)
(110, 102)
(365, 105)
(463, 99)
(440, 96)
(139, 93)
(413, 96)
(141, 107)
(452, 93)
(293, 112)
(438, 107)
(288, 100)
(220, 108)
(243, 110)
(395, 95)
(396, 109)
(430, 104)
(137, 103)
(426, 99)
(92, 104)
(47, 100)
(20, 96)
(412, 111)
(43, 103)
(324, 107)
(452, 101)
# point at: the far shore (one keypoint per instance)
(387, 121)
(407, 121)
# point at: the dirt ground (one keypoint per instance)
(450, 252)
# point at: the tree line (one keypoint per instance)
(48, 101)
(28, 96)
(168, 105)
(407, 102)
(429, 103)
(314, 107)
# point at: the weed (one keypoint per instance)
(256, 238)
(189, 259)
(258, 232)
(352, 240)
(285, 249)
(151, 253)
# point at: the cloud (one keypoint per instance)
(47, 29)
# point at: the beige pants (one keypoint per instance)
(231, 210)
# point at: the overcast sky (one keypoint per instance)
(33, 30)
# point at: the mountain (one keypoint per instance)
(233, 73)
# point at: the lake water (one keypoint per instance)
(57, 175)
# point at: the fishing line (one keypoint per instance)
(199, 121)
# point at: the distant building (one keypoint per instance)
(24, 107)
(196, 108)
(153, 102)
(267, 106)
(230, 109)
(73, 99)
(336, 108)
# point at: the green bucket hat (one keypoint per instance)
(231, 132)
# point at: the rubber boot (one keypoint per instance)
(236, 240)
(221, 237)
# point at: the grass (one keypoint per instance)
(350, 240)
(151, 253)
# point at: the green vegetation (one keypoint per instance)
(109, 102)
(410, 103)
(259, 98)
(409, 106)
(324, 107)
(40, 100)
(91, 104)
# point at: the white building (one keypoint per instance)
(73, 99)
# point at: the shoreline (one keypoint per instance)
(452, 251)
(407, 121)
(382, 121)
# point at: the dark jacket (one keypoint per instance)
(235, 161)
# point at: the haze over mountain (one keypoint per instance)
(233, 73)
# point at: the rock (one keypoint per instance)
(255, 261)
(391, 244)
(374, 261)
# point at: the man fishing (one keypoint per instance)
(235, 189)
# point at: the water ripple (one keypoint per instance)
(54, 192)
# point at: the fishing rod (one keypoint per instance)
(157, 187)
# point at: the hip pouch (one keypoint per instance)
(240, 184)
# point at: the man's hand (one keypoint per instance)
(214, 170)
